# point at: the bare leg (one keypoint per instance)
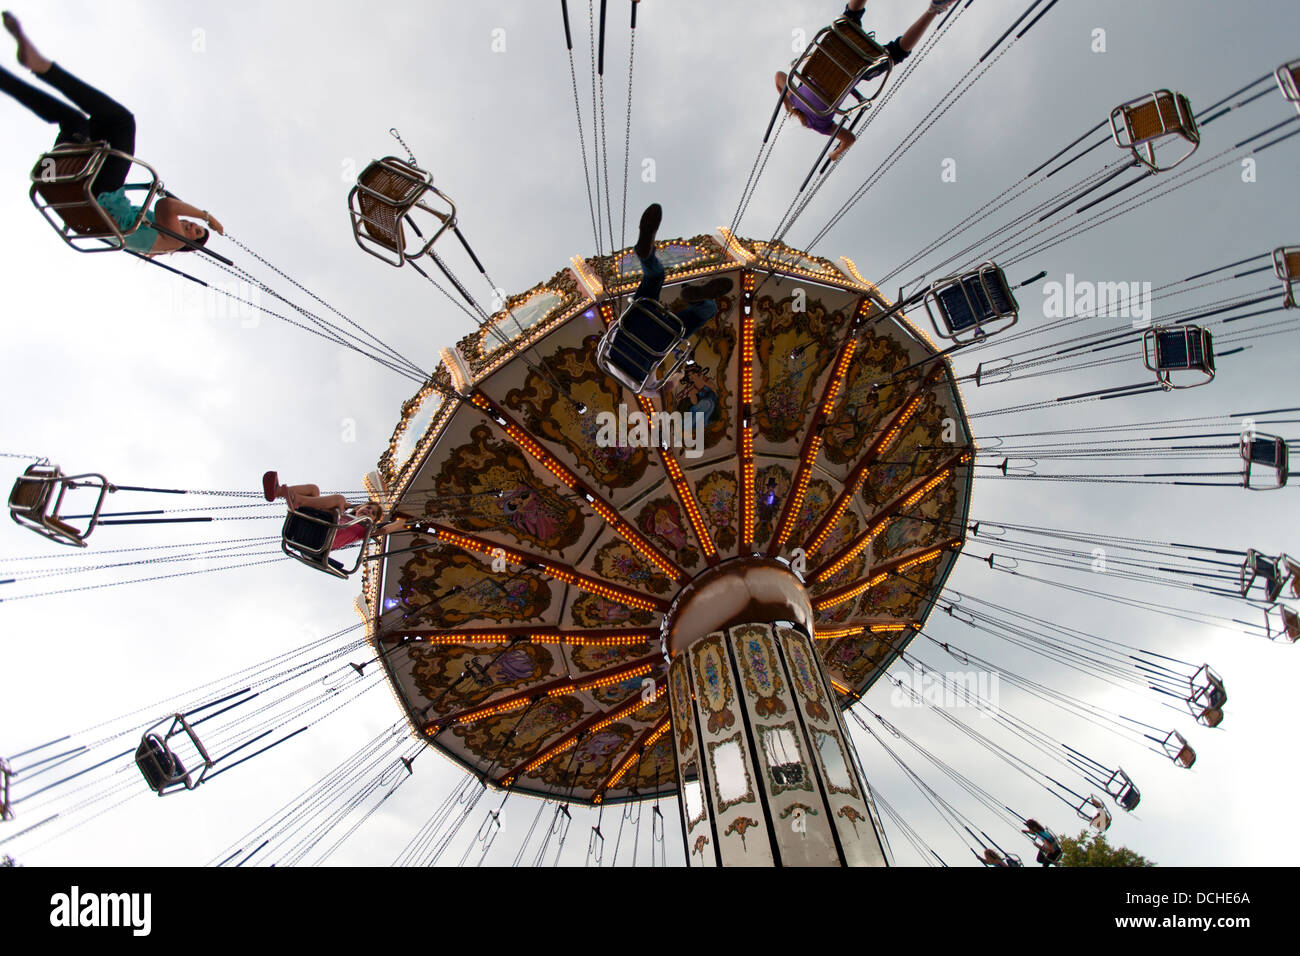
(846, 139)
(302, 499)
(28, 55)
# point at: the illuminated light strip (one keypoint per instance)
(456, 369)
(561, 640)
(922, 559)
(863, 541)
(795, 503)
(847, 495)
(634, 278)
(835, 633)
(841, 369)
(601, 725)
(559, 572)
(607, 681)
(487, 711)
(853, 270)
(634, 758)
(503, 351)
(858, 476)
(747, 504)
(570, 480)
(842, 689)
(924, 490)
(595, 288)
(897, 428)
(734, 245)
(684, 494)
(822, 604)
(783, 258)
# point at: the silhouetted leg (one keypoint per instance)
(73, 124)
(109, 120)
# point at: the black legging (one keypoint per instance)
(107, 120)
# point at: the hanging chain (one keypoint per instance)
(392, 130)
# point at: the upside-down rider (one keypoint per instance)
(98, 117)
(701, 299)
(898, 49)
(298, 497)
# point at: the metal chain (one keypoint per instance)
(392, 130)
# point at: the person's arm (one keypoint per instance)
(167, 213)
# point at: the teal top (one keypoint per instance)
(124, 214)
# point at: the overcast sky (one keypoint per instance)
(263, 114)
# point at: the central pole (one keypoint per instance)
(765, 770)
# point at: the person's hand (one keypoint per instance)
(939, 6)
(215, 224)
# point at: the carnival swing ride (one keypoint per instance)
(646, 565)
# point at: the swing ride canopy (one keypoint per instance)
(547, 672)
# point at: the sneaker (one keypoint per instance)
(270, 483)
(650, 220)
(713, 289)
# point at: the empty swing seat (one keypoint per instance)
(1268, 571)
(1288, 79)
(308, 536)
(6, 807)
(383, 202)
(975, 304)
(1282, 624)
(1142, 124)
(1286, 262)
(828, 71)
(62, 182)
(1184, 349)
(37, 498)
(1121, 788)
(162, 768)
(634, 349)
(1268, 452)
(1206, 690)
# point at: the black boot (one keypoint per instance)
(650, 220)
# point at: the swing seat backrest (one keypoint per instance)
(310, 536)
(968, 302)
(835, 63)
(397, 191)
(1286, 262)
(31, 495)
(1288, 79)
(161, 768)
(62, 189)
(1183, 349)
(633, 348)
(1157, 117)
(1141, 124)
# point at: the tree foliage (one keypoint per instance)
(1090, 848)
